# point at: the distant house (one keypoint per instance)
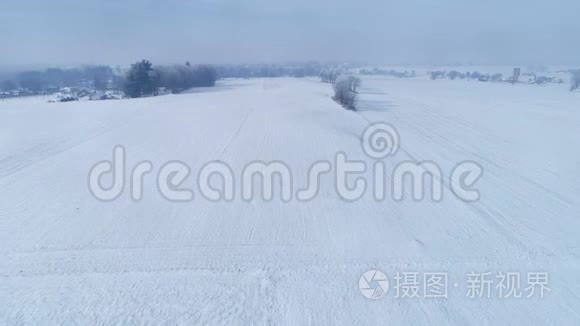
(65, 95)
(84, 93)
(106, 95)
(66, 91)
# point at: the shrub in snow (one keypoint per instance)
(68, 99)
(575, 80)
(497, 77)
(397, 74)
(344, 94)
(475, 75)
(453, 74)
(353, 82)
(437, 74)
(483, 78)
(329, 76)
(540, 80)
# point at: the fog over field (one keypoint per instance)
(265, 31)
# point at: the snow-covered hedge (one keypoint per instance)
(575, 80)
(345, 91)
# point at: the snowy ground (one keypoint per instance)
(66, 257)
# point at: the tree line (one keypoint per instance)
(345, 86)
(307, 69)
(97, 77)
(143, 79)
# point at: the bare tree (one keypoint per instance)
(178, 78)
(575, 80)
(344, 94)
(329, 75)
(437, 74)
(453, 74)
(354, 83)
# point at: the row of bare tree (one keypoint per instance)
(345, 87)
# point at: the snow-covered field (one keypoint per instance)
(68, 258)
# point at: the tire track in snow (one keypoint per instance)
(235, 134)
(506, 170)
(42, 152)
(484, 216)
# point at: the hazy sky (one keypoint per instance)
(253, 31)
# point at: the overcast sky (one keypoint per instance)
(254, 31)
